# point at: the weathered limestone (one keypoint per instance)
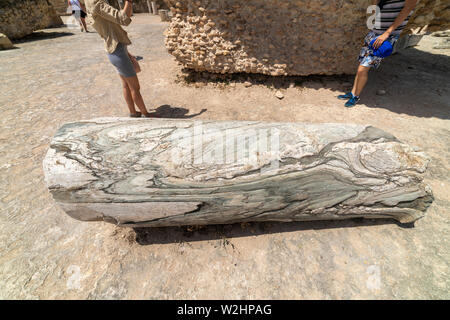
(274, 37)
(60, 7)
(19, 18)
(267, 36)
(137, 172)
(5, 43)
(435, 14)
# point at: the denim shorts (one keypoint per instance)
(120, 59)
(366, 56)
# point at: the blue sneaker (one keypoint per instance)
(346, 96)
(352, 102)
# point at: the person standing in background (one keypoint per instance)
(390, 21)
(108, 22)
(79, 11)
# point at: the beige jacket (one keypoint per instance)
(107, 22)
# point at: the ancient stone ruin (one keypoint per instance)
(274, 37)
(183, 172)
(432, 14)
(60, 7)
(19, 18)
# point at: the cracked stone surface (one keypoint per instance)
(65, 77)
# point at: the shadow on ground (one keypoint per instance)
(417, 69)
(148, 236)
(167, 111)
(394, 76)
(334, 82)
(43, 35)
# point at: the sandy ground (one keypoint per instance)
(63, 75)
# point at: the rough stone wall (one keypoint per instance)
(434, 13)
(60, 6)
(19, 18)
(274, 37)
(292, 37)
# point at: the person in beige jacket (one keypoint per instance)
(108, 22)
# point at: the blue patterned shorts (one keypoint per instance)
(366, 57)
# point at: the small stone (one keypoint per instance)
(5, 43)
(247, 84)
(200, 84)
(279, 95)
(381, 92)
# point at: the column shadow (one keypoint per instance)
(166, 235)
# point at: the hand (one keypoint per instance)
(380, 40)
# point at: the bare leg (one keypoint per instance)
(79, 22)
(127, 96)
(354, 83)
(133, 84)
(135, 63)
(360, 80)
(83, 21)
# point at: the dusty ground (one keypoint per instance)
(58, 76)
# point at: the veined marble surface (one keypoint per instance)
(137, 172)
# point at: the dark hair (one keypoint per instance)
(382, 3)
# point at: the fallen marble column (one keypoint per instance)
(138, 172)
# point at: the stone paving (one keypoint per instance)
(63, 75)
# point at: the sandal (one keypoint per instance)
(136, 115)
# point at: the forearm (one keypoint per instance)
(109, 13)
(128, 8)
(409, 6)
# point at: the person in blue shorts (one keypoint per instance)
(392, 18)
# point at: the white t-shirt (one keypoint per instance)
(75, 5)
